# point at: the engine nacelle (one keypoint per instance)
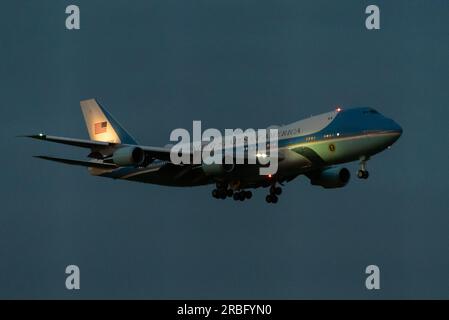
(331, 178)
(128, 156)
(215, 169)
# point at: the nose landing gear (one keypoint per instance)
(363, 173)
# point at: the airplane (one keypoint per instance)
(313, 147)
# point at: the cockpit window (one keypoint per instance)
(370, 111)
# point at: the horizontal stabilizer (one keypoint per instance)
(104, 147)
(90, 164)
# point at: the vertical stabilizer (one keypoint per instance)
(102, 126)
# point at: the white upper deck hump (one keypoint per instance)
(308, 126)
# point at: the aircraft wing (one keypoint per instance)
(107, 148)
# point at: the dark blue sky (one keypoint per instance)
(158, 65)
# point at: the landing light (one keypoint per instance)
(261, 155)
(338, 109)
(269, 176)
(41, 134)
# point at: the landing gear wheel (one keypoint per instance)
(271, 198)
(236, 196)
(230, 192)
(215, 193)
(275, 190)
(360, 174)
(363, 174)
(248, 194)
(222, 194)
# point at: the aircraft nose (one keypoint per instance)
(392, 126)
(396, 127)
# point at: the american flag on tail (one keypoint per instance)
(100, 127)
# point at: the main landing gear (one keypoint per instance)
(242, 195)
(223, 191)
(363, 173)
(274, 193)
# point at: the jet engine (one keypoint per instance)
(128, 156)
(331, 178)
